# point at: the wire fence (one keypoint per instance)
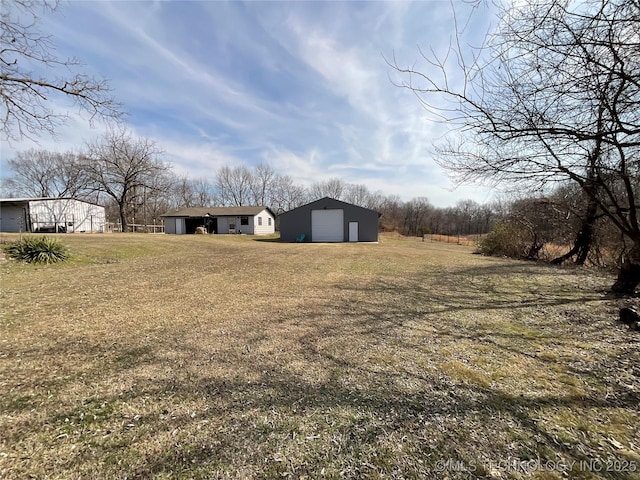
(116, 227)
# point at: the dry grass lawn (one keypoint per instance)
(153, 356)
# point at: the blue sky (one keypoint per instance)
(302, 86)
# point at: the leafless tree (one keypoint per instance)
(334, 188)
(125, 169)
(205, 193)
(581, 218)
(392, 213)
(286, 194)
(358, 194)
(375, 201)
(41, 173)
(190, 192)
(28, 96)
(551, 97)
(466, 214)
(182, 193)
(153, 199)
(415, 215)
(261, 184)
(234, 185)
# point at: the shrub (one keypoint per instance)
(506, 239)
(37, 250)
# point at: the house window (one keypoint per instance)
(244, 220)
(260, 221)
(269, 221)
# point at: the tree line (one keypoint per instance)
(129, 177)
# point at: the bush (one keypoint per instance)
(37, 250)
(506, 239)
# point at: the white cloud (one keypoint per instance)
(302, 86)
(197, 159)
(304, 169)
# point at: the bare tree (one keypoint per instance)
(125, 169)
(334, 188)
(415, 215)
(262, 179)
(234, 185)
(28, 97)
(182, 193)
(375, 201)
(205, 193)
(358, 194)
(285, 194)
(153, 198)
(466, 213)
(552, 97)
(581, 215)
(392, 213)
(189, 192)
(41, 173)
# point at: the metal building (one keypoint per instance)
(329, 220)
(50, 215)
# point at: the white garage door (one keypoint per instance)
(327, 225)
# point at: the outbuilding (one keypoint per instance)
(329, 220)
(247, 220)
(51, 215)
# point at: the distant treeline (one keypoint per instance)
(126, 175)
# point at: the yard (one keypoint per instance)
(207, 356)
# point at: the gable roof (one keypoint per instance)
(216, 211)
(334, 201)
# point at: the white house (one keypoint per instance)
(247, 220)
(57, 215)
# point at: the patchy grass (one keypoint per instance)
(225, 357)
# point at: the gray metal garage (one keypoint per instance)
(329, 220)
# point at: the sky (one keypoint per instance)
(301, 86)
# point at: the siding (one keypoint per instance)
(223, 224)
(170, 225)
(67, 214)
(245, 229)
(265, 228)
(74, 215)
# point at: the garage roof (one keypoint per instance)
(216, 211)
(334, 201)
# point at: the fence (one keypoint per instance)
(113, 227)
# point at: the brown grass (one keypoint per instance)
(230, 357)
(468, 241)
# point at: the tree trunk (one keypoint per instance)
(629, 274)
(533, 252)
(581, 246)
(123, 217)
(584, 238)
(583, 243)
